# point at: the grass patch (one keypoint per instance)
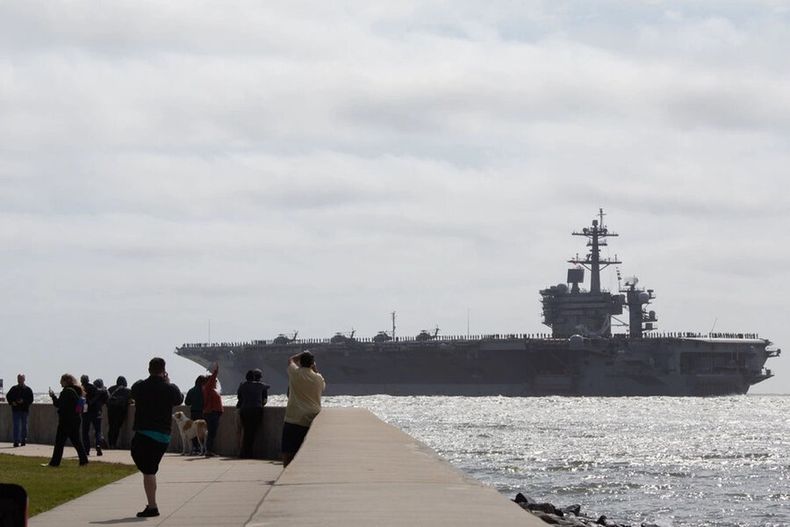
(48, 487)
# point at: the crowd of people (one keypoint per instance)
(80, 406)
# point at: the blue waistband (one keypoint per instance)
(156, 436)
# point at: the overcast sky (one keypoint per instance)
(313, 166)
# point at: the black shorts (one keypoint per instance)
(147, 453)
(293, 437)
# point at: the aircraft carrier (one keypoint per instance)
(581, 356)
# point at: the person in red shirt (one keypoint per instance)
(212, 409)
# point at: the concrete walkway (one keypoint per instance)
(353, 470)
(192, 491)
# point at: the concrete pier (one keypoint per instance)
(355, 470)
(352, 470)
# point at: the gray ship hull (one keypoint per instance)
(509, 366)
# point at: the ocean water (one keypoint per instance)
(722, 461)
(673, 461)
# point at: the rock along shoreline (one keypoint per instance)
(570, 516)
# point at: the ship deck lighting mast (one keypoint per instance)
(596, 238)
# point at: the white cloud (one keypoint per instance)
(315, 166)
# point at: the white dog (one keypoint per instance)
(189, 429)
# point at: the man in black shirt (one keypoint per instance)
(117, 409)
(194, 400)
(154, 399)
(89, 416)
(20, 397)
(252, 395)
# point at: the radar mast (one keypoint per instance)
(596, 238)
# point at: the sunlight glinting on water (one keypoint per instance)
(674, 461)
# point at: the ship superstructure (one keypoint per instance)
(581, 355)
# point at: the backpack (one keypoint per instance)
(82, 406)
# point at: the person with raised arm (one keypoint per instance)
(212, 409)
(305, 386)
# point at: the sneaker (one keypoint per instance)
(83, 463)
(148, 512)
(49, 465)
(16, 445)
(98, 451)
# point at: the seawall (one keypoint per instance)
(43, 422)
